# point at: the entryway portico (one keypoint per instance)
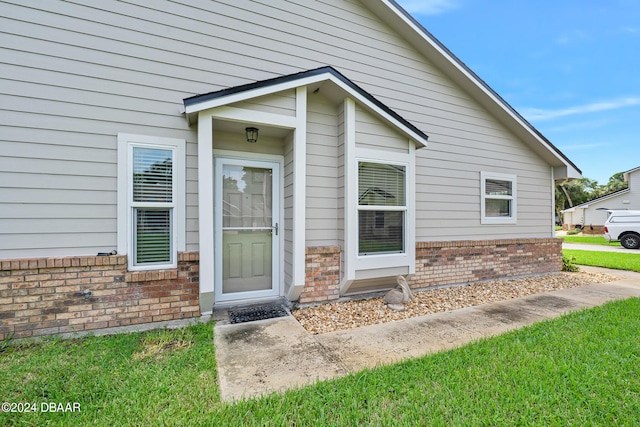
(279, 108)
(214, 114)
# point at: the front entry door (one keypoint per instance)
(247, 227)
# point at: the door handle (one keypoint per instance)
(275, 227)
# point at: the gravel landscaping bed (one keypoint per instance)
(355, 313)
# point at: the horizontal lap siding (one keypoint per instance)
(322, 172)
(448, 189)
(371, 133)
(74, 74)
(65, 94)
(283, 103)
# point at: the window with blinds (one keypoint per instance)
(381, 208)
(498, 198)
(152, 204)
(152, 175)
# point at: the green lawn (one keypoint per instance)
(616, 260)
(580, 369)
(591, 240)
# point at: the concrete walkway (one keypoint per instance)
(277, 354)
(599, 248)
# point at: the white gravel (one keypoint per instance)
(353, 314)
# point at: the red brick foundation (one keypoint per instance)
(446, 263)
(443, 263)
(44, 296)
(322, 274)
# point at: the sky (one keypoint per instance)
(570, 67)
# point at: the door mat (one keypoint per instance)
(261, 312)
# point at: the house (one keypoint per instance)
(162, 159)
(590, 216)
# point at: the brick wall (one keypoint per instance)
(43, 296)
(322, 274)
(593, 229)
(445, 263)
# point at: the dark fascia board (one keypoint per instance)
(479, 81)
(630, 171)
(200, 99)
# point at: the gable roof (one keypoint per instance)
(222, 97)
(401, 21)
(629, 172)
(597, 200)
(606, 196)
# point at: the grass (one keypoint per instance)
(591, 240)
(618, 261)
(164, 377)
(580, 369)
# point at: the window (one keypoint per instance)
(382, 208)
(152, 205)
(150, 200)
(498, 193)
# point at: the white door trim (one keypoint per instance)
(276, 164)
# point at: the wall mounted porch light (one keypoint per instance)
(252, 134)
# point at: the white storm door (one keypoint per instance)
(247, 229)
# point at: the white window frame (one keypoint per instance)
(126, 205)
(381, 265)
(513, 198)
(373, 261)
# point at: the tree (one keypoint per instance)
(572, 193)
(616, 183)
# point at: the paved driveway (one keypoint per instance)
(599, 248)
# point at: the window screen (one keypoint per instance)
(152, 205)
(381, 208)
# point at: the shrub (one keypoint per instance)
(568, 264)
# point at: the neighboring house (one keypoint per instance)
(591, 215)
(162, 159)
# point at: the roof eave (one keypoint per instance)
(194, 104)
(606, 197)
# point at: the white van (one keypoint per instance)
(625, 227)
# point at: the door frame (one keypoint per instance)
(276, 163)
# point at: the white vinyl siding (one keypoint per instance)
(75, 74)
(322, 172)
(373, 134)
(283, 103)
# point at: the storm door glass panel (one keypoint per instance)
(247, 206)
